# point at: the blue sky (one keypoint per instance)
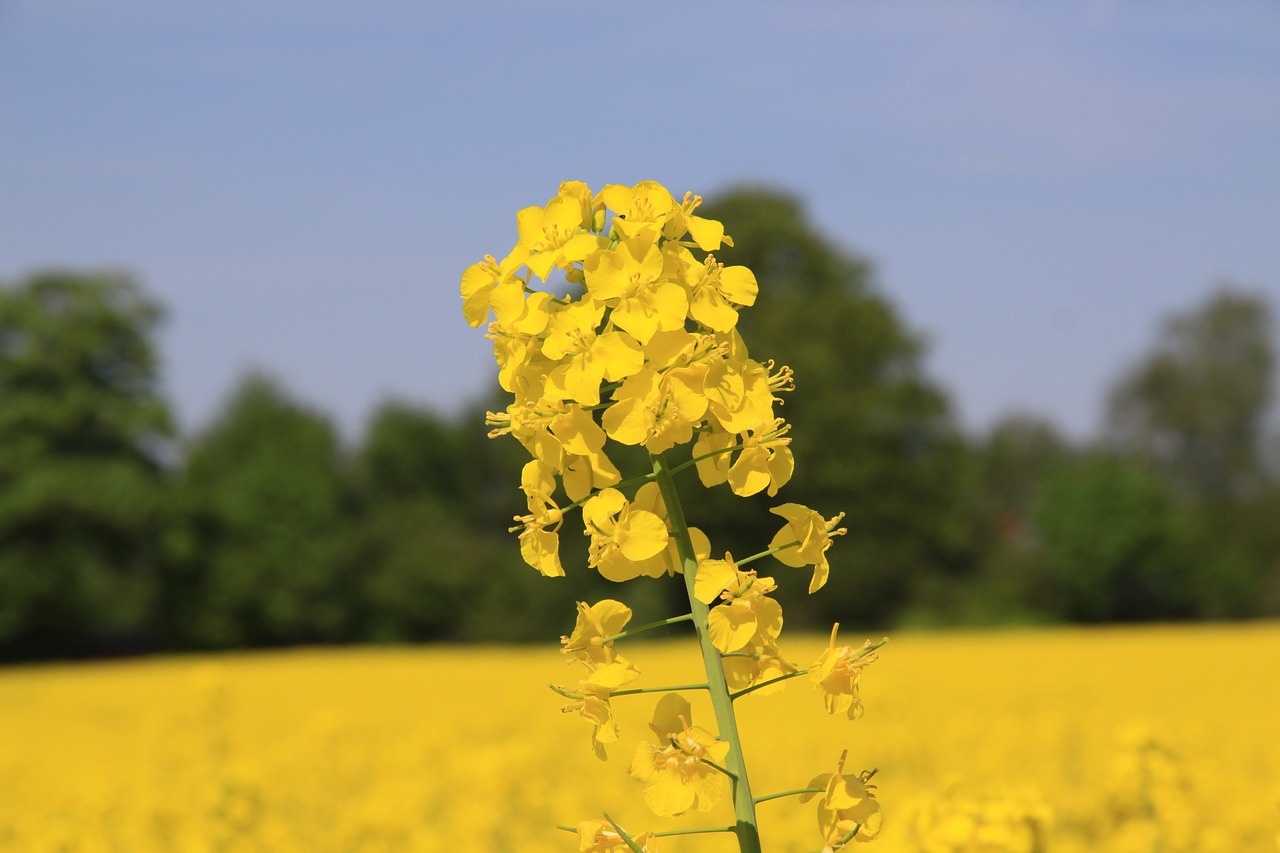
(302, 183)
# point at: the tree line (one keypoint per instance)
(117, 535)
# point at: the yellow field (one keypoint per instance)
(1161, 739)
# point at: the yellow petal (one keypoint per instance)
(641, 535)
(671, 715)
(738, 284)
(713, 577)
(666, 794)
(731, 626)
(620, 355)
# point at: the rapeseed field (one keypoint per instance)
(1156, 739)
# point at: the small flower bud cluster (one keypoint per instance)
(647, 354)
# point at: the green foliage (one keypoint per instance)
(1116, 544)
(81, 491)
(264, 552)
(420, 562)
(1196, 406)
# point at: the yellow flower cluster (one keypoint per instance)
(647, 354)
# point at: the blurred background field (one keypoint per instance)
(1141, 739)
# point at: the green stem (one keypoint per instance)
(689, 463)
(631, 691)
(768, 553)
(648, 627)
(701, 830)
(744, 691)
(697, 830)
(792, 793)
(622, 833)
(744, 808)
(671, 689)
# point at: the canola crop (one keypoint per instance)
(1156, 739)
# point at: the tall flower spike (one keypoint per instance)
(648, 355)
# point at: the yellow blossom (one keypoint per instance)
(596, 622)
(760, 660)
(804, 540)
(640, 209)
(741, 392)
(587, 357)
(594, 692)
(621, 536)
(708, 234)
(715, 290)
(847, 809)
(482, 279)
(539, 540)
(630, 280)
(557, 235)
(765, 461)
(583, 465)
(746, 610)
(675, 771)
(836, 674)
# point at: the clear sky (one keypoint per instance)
(302, 183)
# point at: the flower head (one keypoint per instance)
(675, 771)
(539, 537)
(805, 540)
(847, 809)
(592, 695)
(621, 536)
(836, 674)
(596, 623)
(746, 609)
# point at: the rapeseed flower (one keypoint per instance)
(621, 535)
(836, 674)
(675, 771)
(592, 703)
(746, 611)
(847, 809)
(804, 540)
(597, 622)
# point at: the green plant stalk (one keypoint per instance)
(744, 808)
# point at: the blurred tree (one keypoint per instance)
(1014, 459)
(1196, 407)
(265, 556)
(1012, 464)
(1117, 545)
(408, 451)
(873, 435)
(82, 427)
(421, 563)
